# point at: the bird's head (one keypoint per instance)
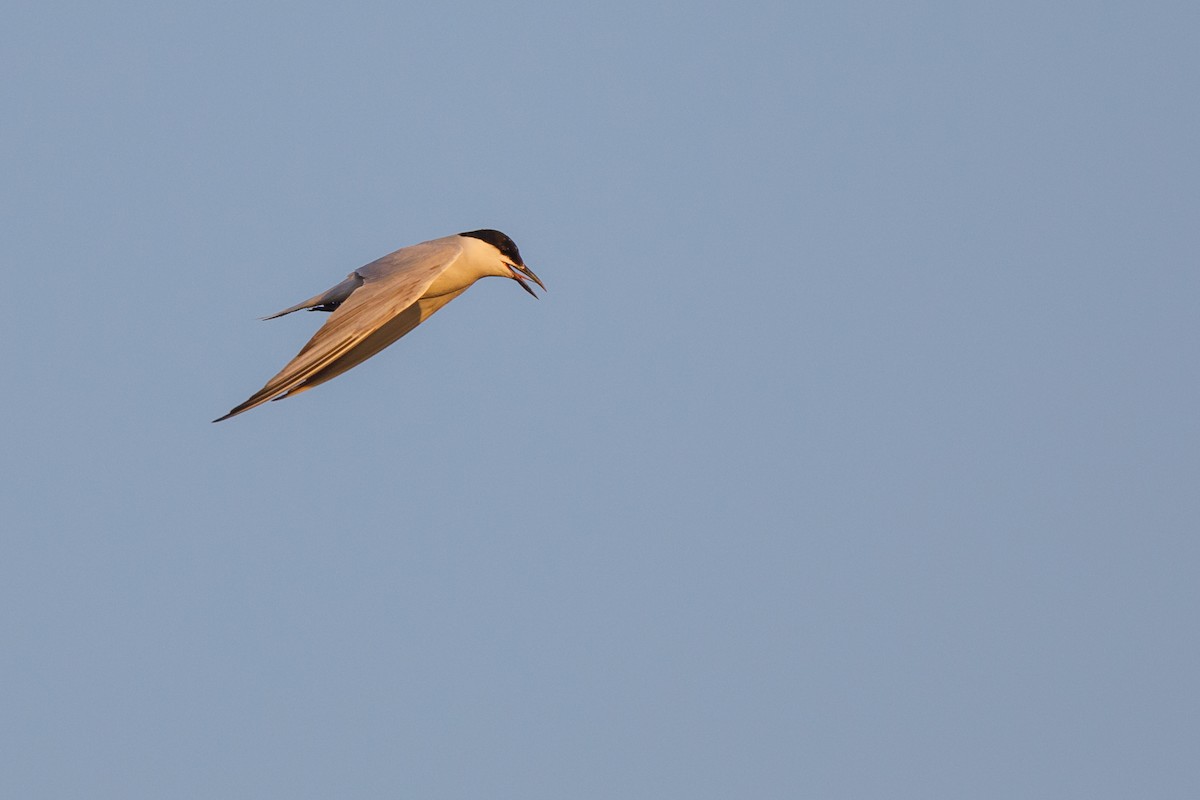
(510, 257)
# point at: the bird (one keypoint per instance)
(378, 303)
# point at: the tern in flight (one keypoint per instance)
(377, 304)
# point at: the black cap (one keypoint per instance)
(498, 240)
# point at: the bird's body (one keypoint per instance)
(378, 303)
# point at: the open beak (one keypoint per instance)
(522, 273)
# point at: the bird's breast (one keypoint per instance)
(456, 277)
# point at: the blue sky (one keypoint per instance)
(852, 452)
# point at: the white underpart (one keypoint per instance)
(477, 260)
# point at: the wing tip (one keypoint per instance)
(253, 402)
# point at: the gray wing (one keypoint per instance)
(381, 308)
(328, 300)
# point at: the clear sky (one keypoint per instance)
(853, 452)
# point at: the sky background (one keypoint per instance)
(854, 450)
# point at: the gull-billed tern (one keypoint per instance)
(377, 304)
